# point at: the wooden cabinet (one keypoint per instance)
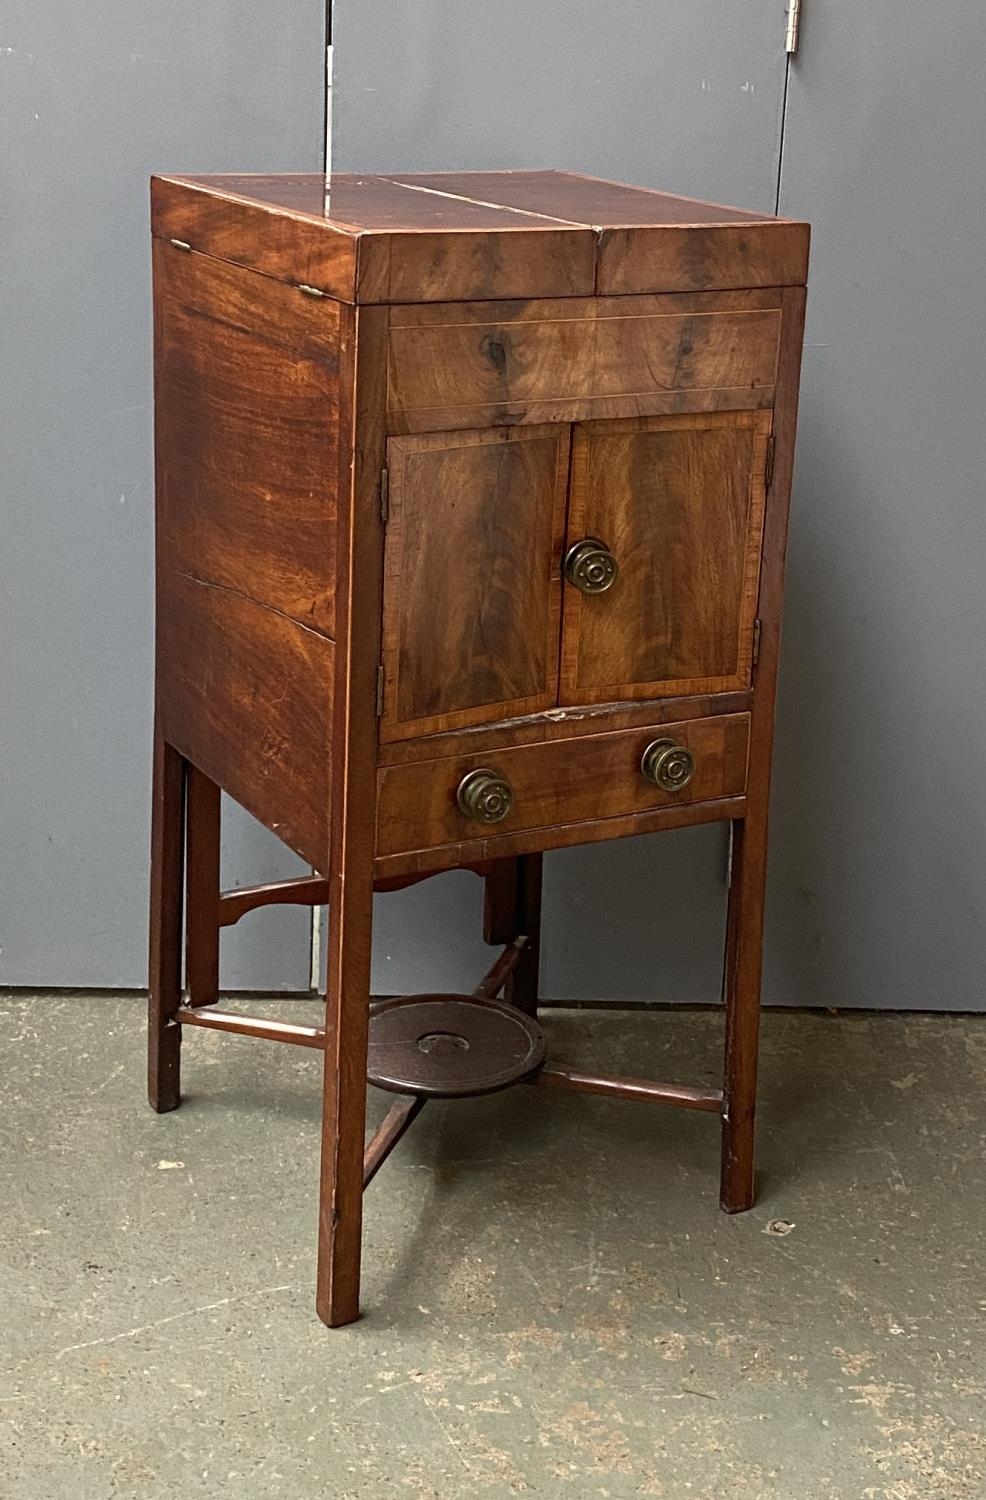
(584, 780)
(472, 506)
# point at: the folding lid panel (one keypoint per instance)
(456, 236)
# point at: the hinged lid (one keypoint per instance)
(460, 236)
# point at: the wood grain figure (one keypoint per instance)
(471, 510)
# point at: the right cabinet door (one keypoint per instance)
(678, 503)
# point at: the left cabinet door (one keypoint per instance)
(472, 577)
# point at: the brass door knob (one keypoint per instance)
(484, 795)
(590, 566)
(669, 766)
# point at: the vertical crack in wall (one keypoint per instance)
(780, 144)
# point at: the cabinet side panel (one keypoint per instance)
(247, 456)
(247, 433)
(222, 218)
(246, 696)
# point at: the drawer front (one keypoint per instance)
(575, 358)
(582, 780)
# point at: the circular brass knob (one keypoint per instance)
(591, 566)
(669, 766)
(484, 795)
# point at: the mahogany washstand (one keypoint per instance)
(472, 495)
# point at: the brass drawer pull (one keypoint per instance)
(590, 566)
(668, 765)
(484, 795)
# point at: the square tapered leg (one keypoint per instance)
(165, 928)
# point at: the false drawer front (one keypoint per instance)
(427, 804)
(451, 366)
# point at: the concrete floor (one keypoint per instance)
(554, 1304)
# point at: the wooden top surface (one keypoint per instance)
(447, 236)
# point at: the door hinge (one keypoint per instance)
(380, 691)
(311, 291)
(793, 26)
(756, 641)
(180, 244)
(768, 468)
(385, 495)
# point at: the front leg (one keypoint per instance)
(164, 964)
(744, 960)
(340, 1222)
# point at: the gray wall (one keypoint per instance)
(878, 851)
(682, 94)
(878, 875)
(92, 99)
(879, 837)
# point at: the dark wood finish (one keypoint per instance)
(593, 778)
(202, 914)
(245, 535)
(463, 365)
(744, 937)
(308, 890)
(522, 987)
(467, 854)
(573, 196)
(563, 724)
(249, 434)
(513, 912)
(644, 259)
(500, 902)
(353, 805)
(305, 890)
(249, 698)
(451, 1046)
(499, 975)
(517, 262)
(683, 1095)
(399, 1118)
(679, 502)
(404, 1111)
(486, 510)
(533, 357)
(233, 219)
(415, 237)
(314, 1036)
(165, 927)
(269, 1031)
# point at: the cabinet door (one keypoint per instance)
(679, 502)
(472, 579)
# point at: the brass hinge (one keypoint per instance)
(384, 495)
(756, 641)
(793, 27)
(311, 291)
(768, 469)
(380, 691)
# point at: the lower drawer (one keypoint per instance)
(427, 804)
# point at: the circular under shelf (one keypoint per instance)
(451, 1046)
